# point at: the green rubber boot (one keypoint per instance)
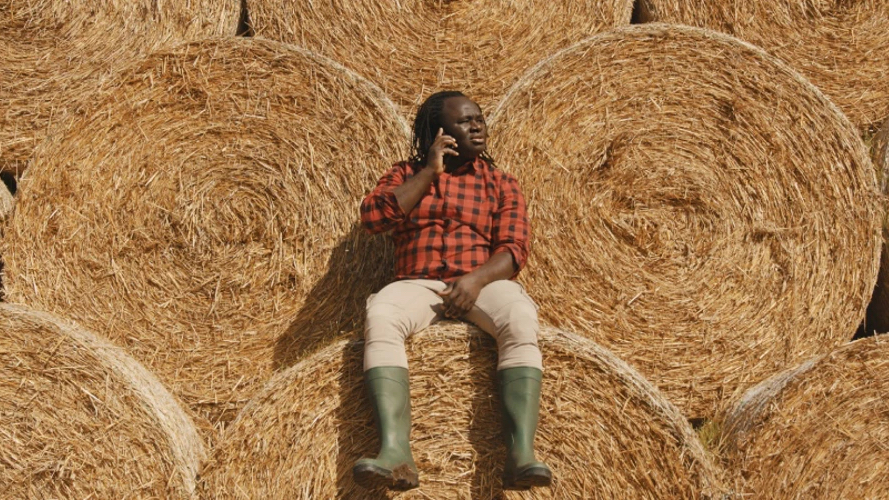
(394, 466)
(520, 404)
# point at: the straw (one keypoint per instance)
(54, 51)
(81, 419)
(839, 46)
(817, 431)
(694, 201)
(411, 48)
(604, 430)
(202, 211)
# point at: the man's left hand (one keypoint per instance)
(460, 295)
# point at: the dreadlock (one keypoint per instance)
(427, 123)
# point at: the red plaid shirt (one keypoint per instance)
(464, 218)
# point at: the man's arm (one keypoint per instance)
(394, 197)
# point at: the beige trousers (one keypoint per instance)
(403, 308)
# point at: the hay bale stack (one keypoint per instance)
(877, 319)
(604, 430)
(53, 51)
(818, 431)
(81, 419)
(839, 46)
(704, 205)
(202, 211)
(412, 48)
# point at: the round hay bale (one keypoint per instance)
(203, 212)
(818, 431)
(877, 318)
(840, 46)
(475, 46)
(53, 51)
(708, 210)
(604, 430)
(81, 419)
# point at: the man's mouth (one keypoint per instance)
(477, 140)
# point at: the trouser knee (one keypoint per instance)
(385, 331)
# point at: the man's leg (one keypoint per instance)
(505, 311)
(396, 312)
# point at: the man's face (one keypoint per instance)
(463, 120)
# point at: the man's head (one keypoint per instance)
(459, 117)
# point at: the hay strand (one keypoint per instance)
(604, 430)
(411, 48)
(818, 431)
(696, 202)
(839, 46)
(81, 419)
(203, 213)
(54, 51)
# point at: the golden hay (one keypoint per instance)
(818, 431)
(695, 200)
(52, 51)
(604, 430)
(81, 419)
(412, 48)
(202, 211)
(877, 319)
(839, 45)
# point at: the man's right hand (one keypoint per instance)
(441, 146)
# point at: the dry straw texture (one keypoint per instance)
(52, 51)
(878, 309)
(694, 201)
(202, 211)
(839, 45)
(414, 47)
(818, 431)
(81, 419)
(604, 430)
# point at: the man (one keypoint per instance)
(461, 237)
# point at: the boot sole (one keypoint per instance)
(528, 478)
(370, 476)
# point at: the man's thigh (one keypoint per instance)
(415, 304)
(494, 306)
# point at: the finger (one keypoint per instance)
(440, 132)
(447, 291)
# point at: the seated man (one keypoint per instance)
(461, 237)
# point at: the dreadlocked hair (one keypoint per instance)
(427, 123)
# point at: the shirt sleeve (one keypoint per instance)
(511, 230)
(380, 210)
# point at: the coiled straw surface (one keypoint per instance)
(604, 430)
(81, 419)
(412, 48)
(878, 309)
(840, 46)
(53, 51)
(818, 431)
(706, 209)
(202, 211)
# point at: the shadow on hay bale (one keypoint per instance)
(351, 283)
(54, 51)
(81, 419)
(476, 46)
(189, 211)
(840, 46)
(877, 318)
(605, 431)
(695, 202)
(818, 431)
